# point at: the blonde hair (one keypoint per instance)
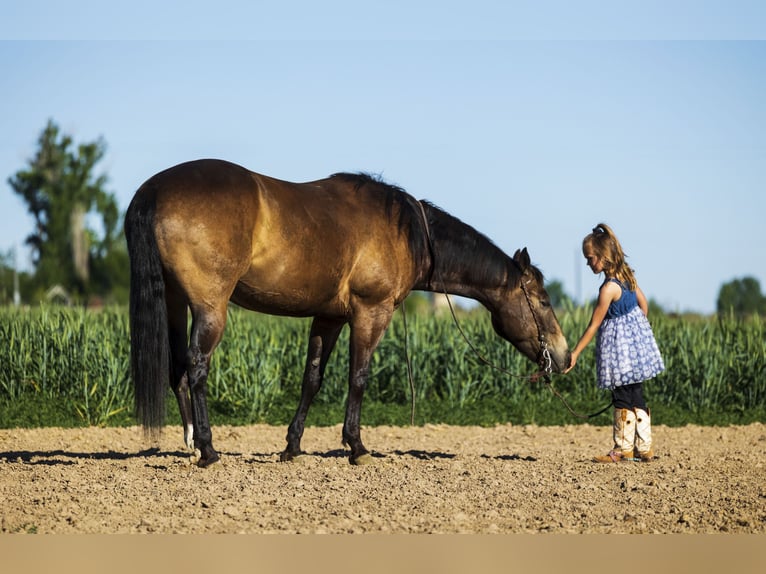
(603, 243)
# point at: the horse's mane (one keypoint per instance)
(362, 178)
(462, 247)
(410, 219)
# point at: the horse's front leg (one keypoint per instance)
(365, 336)
(352, 434)
(322, 338)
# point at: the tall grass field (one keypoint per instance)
(70, 367)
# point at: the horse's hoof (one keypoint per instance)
(362, 460)
(290, 457)
(206, 462)
(203, 460)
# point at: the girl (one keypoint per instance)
(626, 352)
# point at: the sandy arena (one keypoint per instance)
(432, 479)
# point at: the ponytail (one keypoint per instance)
(606, 246)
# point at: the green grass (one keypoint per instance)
(69, 367)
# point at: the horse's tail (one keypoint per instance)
(149, 343)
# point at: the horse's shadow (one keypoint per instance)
(424, 454)
(419, 454)
(338, 453)
(63, 457)
(510, 457)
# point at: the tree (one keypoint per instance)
(742, 296)
(559, 299)
(64, 197)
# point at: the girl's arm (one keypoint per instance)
(642, 301)
(608, 293)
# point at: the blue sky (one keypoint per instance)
(530, 126)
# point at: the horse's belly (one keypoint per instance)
(290, 298)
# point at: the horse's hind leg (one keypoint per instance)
(207, 329)
(179, 347)
(322, 339)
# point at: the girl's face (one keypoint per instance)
(594, 262)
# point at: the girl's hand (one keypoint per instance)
(572, 362)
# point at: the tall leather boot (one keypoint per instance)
(623, 432)
(643, 445)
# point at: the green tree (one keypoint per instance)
(66, 199)
(559, 298)
(742, 296)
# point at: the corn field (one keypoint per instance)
(81, 359)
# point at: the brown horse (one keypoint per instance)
(343, 250)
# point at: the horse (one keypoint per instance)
(344, 250)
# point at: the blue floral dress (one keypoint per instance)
(626, 351)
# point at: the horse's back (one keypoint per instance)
(276, 246)
(323, 245)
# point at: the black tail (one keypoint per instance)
(149, 346)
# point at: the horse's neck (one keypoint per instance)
(465, 263)
(459, 280)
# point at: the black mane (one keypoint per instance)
(362, 178)
(410, 218)
(458, 246)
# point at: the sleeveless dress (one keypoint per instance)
(626, 351)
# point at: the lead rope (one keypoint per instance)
(546, 362)
(409, 367)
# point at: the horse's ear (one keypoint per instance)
(521, 257)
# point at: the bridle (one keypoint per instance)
(544, 357)
(545, 360)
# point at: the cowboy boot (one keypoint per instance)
(623, 432)
(643, 446)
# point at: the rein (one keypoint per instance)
(544, 359)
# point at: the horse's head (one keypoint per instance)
(524, 317)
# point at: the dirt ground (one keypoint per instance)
(430, 479)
